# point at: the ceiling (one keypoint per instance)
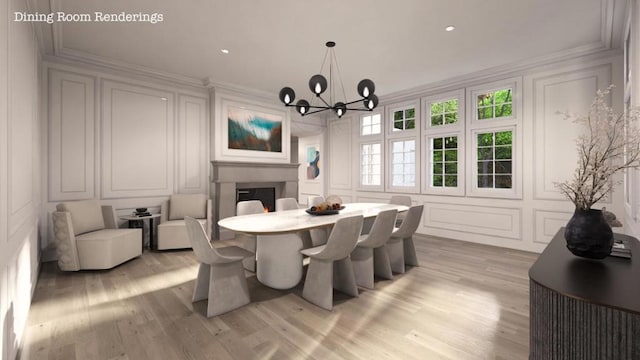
(398, 44)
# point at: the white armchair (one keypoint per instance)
(172, 230)
(87, 237)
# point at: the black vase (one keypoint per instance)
(588, 234)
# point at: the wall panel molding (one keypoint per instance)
(484, 220)
(546, 224)
(192, 144)
(340, 161)
(571, 91)
(134, 165)
(71, 136)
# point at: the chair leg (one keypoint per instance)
(381, 264)
(395, 250)
(410, 256)
(362, 260)
(249, 243)
(343, 278)
(228, 288)
(201, 289)
(318, 288)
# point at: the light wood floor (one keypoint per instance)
(465, 301)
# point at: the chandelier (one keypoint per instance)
(318, 85)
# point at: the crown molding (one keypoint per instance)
(590, 52)
(124, 67)
(212, 85)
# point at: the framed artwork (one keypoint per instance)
(250, 131)
(313, 162)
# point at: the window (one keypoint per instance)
(444, 161)
(495, 104)
(444, 112)
(495, 160)
(404, 119)
(403, 163)
(371, 164)
(370, 124)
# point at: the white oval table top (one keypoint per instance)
(298, 220)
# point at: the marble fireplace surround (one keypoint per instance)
(228, 176)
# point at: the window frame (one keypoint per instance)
(427, 174)
(389, 187)
(367, 187)
(372, 113)
(515, 192)
(426, 104)
(403, 106)
(472, 104)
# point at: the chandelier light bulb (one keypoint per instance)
(365, 92)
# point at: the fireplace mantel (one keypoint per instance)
(226, 175)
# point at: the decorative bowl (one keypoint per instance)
(141, 210)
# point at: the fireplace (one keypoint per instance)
(267, 195)
(227, 177)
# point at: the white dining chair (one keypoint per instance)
(370, 255)
(400, 247)
(249, 241)
(400, 200)
(283, 204)
(318, 235)
(221, 277)
(330, 265)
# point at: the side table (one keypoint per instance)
(132, 219)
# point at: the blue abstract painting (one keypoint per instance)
(250, 130)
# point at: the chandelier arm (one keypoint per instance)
(324, 101)
(354, 101)
(359, 109)
(311, 106)
(317, 111)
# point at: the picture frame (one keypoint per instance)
(251, 131)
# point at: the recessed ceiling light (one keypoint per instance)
(450, 28)
(224, 51)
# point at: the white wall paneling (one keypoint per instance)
(547, 223)
(340, 161)
(484, 220)
(137, 140)
(192, 144)
(555, 155)
(71, 136)
(20, 173)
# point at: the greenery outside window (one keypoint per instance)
(404, 119)
(495, 160)
(496, 104)
(371, 164)
(370, 124)
(444, 162)
(444, 112)
(403, 163)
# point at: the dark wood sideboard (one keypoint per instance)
(584, 309)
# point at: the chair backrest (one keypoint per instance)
(343, 238)
(249, 207)
(410, 222)
(86, 215)
(286, 204)
(192, 205)
(314, 200)
(201, 246)
(400, 200)
(381, 229)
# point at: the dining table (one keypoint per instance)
(282, 234)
